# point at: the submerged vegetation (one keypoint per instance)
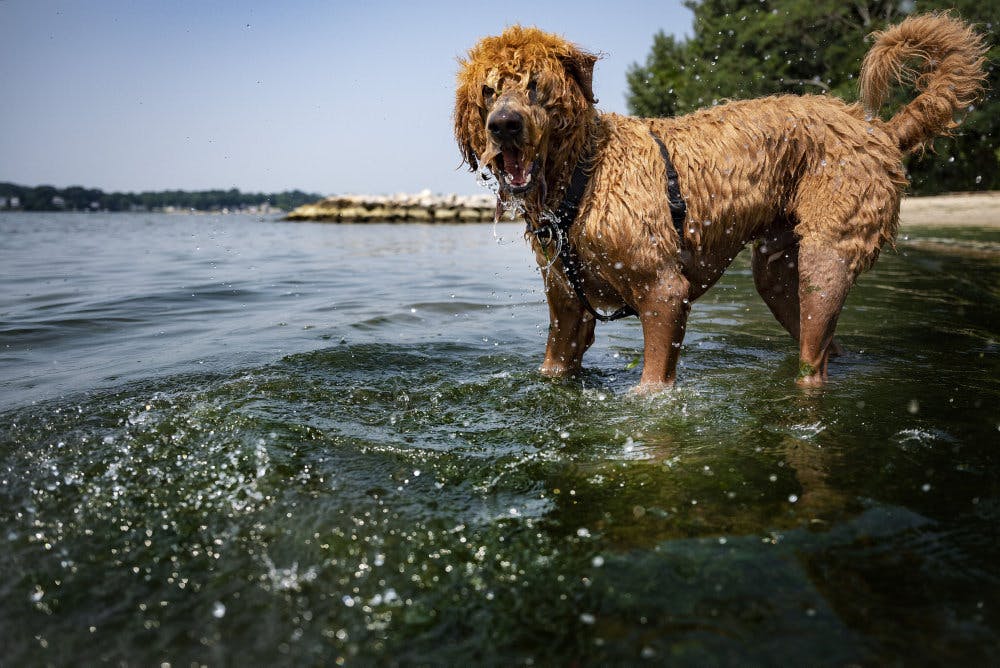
(742, 49)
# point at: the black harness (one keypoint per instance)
(557, 229)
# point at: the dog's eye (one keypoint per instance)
(533, 91)
(488, 94)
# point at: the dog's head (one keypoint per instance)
(522, 106)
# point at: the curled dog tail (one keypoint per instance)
(938, 55)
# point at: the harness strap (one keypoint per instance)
(569, 208)
(678, 208)
(566, 214)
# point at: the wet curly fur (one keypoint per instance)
(813, 182)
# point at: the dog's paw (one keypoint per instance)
(558, 371)
(811, 380)
(650, 389)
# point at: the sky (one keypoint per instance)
(327, 97)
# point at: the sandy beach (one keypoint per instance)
(959, 209)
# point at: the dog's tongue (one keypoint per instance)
(513, 164)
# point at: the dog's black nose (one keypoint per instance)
(505, 124)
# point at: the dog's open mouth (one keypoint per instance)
(517, 174)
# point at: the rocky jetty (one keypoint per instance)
(423, 207)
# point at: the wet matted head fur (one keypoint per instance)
(524, 108)
(813, 183)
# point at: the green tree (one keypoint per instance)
(653, 89)
(742, 49)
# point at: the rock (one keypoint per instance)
(422, 207)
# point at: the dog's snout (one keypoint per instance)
(505, 124)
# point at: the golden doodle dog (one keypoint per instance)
(642, 216)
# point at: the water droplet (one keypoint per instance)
(597, 561)
(219, 610)
(913, 407)
(587, 618)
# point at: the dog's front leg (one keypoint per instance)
(571, 332)
(663, 311)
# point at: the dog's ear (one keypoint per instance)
(580, 66)
(465, 115)
(470, 156)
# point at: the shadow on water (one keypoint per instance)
(435, 502)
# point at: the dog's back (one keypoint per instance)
(750, 163)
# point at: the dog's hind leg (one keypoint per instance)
(776, 276)
(571, 333)
(842, 224)
(824, 280)
(775, 265)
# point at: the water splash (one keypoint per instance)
(286, 579)
(486, 179)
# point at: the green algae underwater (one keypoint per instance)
(229, 441)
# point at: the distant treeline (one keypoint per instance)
(77, 198)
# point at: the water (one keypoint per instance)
(233, 441)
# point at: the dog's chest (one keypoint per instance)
(606, 274)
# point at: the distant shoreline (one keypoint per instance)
(980, 209)
(967, 209)
(14, 197)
